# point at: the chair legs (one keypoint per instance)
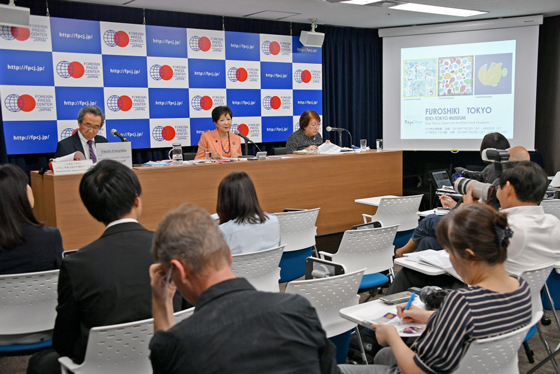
(553, 309)
(361, 344)
(547, 347)
(529, 353)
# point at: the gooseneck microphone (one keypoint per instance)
(335, 129)
(340, 130)
(119, 135)
(236, 132)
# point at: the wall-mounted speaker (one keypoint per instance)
(312, 39)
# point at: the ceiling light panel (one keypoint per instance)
(412, 7)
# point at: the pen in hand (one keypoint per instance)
(410, 301)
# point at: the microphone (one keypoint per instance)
(335, 129)
(236, 132)
(340, 130)
(119, 135)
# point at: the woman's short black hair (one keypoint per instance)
(219, 110)
(237, 200)
(306, 117)
(15, 209)
(494, 140)
(477, 227)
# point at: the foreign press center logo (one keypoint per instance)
(271, 102)
(237, 74)
(116, 38)
(159, 72)
(302, 76)
(243, 128)
(198, 43)
(201, 103)
(16, 103)
(270, 48)
(67, 132)
(17, 33)
(117, 103)
(161, 133)
(72, 69)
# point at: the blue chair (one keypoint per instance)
(297, 233)
(27, 311)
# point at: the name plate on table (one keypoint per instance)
(121, 152)
(71, 167)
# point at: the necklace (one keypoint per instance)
(229, 145)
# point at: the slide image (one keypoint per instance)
(455, 76)
(493, 74)
(419, 78)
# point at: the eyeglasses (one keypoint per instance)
(90, 127)
(315, 125)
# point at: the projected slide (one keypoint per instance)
(461, 91)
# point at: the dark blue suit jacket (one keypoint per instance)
(73, 144)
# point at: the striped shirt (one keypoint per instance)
(468, 314)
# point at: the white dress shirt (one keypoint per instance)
(536, 239)
(247, 237)
(86, 145)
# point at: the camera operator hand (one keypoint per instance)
(447, 202)
(468, 198)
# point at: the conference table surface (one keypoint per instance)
(331, 182)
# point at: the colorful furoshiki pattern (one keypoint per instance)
(157, 85)
(455, 76)
(420, 78)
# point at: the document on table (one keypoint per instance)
(332, 149)
(438, 259)
(404, 329)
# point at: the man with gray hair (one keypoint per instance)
(90, 120)
(234, 328)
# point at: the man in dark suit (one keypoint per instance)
(90, 120)
(106, 282)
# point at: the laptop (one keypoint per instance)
(441, 178)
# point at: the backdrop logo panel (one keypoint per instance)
(166, 41)
(276, 48)
(308, 100)
(276, 103)
(276, 129)
(248, 126)
(28, 103)
(207, 74)
(123, 39)
(169, 103)
(69, 100)
(203, 101)
(23, 68)
(206, 44)
(71, 35)
(242, 46)
(27, 137)
(199, 126)
(243, 74)
(276, 75)
(244, 102)
(137, 131)
(77, 70)
(165, 132)
(167, 72)
(307, 76)
(35, 38)
(124, 103)
(302, 54)
(125, 71)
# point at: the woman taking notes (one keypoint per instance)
(244, 224)
(26, 245)
(476, 237)
(220, 142)
(307, 137)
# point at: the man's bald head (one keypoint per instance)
(518, 154)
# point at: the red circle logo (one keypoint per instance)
(166, 72)
(204, 44)
(306, 76)
(26, 103)
(241, 74)
(274, 48)
(124, 103)
(76, 69)
(206, 102)
(275, 102)
(121, 39)
(168, 133)
(244, 129)
(20, 33)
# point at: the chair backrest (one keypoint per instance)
(370, 248)
(552, 207)
(399, 210)
(28, 302)
(279, 150)
(328, 296)
(297, 229)
(122, 348)
(535, 279)
(259, 268)
(495, 355)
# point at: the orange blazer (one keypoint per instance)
(211, 139)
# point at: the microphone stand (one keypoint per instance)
(246, 148)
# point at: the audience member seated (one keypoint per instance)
(234, 328)
(476, 237)
(221, 142)
(106, 282)
(536, 238)
(307, 137)
(244, 224)
(26, 245)
(492, 140)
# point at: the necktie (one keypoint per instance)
(91, 152)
